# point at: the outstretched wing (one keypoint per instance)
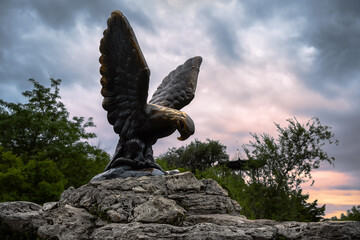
(178, 88)
(125, 74)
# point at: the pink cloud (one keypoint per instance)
(327, 190)
(330, 179)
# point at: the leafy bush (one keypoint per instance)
(43, 151)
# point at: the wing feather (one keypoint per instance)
(178, 88)
(125, 74)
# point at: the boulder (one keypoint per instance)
(153, 207)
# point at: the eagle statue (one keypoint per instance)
(125, 84)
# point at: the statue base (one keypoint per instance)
(125, 171)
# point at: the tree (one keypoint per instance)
(37, 181)
(288, 162)
(290, 158)
(40, 134)
(195, 156)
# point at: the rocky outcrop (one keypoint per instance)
(153, 207)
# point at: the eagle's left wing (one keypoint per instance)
(125, 75)
(178, 88)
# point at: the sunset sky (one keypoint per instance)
(263, 62)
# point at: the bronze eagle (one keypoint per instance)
(125, 85)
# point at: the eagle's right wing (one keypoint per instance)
(125, 75)
(178, 88)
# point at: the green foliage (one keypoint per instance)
(166, 166)
(195, 156)
(37, 181)
(41, 124)
(274, 189)
(286, 163)
(290, 158)
(227, 179)
(97, 211)
(351, 215)
(270, 185)
(42, 149)
(269, 203)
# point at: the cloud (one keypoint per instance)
(62, 15)
(333, 29)
(328, 31)
(220, 22)
(263, 62)
(335, 180)
(338, 190)
(336, 197)
(42, 39)
(336, 210)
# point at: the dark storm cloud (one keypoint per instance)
(35, 38)
(63, 14)
(346, 129)
(220, 30)
(263, 10)
(333, 28)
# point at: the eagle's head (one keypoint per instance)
(185, 126)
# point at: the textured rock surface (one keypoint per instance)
(126, 171)
(24, 217)
(154, 207)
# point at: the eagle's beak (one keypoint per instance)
(182, 138)
(185, 127)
